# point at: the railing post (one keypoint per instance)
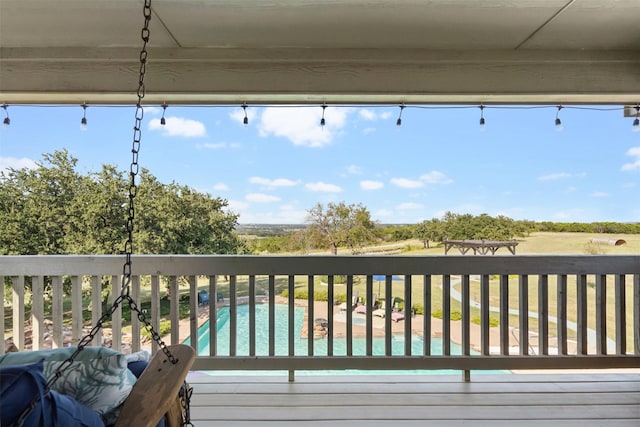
(37, 312)
(466, 376)
(18, 312)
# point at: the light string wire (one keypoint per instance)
(244, 106)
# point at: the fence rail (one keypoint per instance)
(529, 312)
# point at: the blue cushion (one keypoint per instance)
(20, 384)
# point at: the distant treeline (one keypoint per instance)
(593, 227)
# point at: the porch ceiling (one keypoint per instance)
(334, 51)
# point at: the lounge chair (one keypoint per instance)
(354, 303)
(362, 309)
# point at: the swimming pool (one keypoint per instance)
(301, 346)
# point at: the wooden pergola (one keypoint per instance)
(482, 247)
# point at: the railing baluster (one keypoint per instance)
(291, 316)
(252, 315)
(505, 337)
(581, 283)
(387, 315)
(484, 314)
(636, 313)
(155, 307)
(562, 314)
(524, 314)
(135, 322)
(58, 312)
(369, 323)
(18, 312)
(174, 310)
(466, 321)
(76, 310)
(116, 319)
(37, 312)
(272, 315)
(426, 318)
(446, 315)
(233, 316)
(408, 312)
(96, 306)
(193, 312)
(543, 314)
(2, 279)
(330, 303)
(621, 313)
(601, 314)
(349, 315)
(213, 314)
(310, 314)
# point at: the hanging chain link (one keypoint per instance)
(126, 270)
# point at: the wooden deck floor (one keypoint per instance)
(398, 400)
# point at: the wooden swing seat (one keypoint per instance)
(157, 389)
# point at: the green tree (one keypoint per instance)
(429, 230)
(340, 225)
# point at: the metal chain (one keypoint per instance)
(135, 149)
(126, 270)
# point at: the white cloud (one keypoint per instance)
(409, 206)
(599, 194)
(370, 115)
(178, 126)
(554, 176)
(261, 198)
(371, 185)
(406, 183)
(14, 163)
(354, 170)
(220, 186)
(633, 152)
(382, 213)
(238, 205)
(569, 215)
(212, 146)
(273, 183)
(368, 131)
(301, 125)
(367, 114)
(436, 177)
(323, 187)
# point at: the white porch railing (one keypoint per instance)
(587, 313)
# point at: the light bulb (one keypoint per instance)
(636, 125)
(559, 126)
(6, 121)
(83, 124)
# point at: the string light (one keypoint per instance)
(163, 121)
(83, 121)
(7, 120)
(399, 121)
(322, 121)
(558, 122)
(559, 126)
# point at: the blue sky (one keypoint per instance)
(283, 162)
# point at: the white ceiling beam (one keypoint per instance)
(263, 76)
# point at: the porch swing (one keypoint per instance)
(161, 388)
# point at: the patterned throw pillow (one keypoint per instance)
(98, 377)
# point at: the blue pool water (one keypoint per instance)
(301, 345)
